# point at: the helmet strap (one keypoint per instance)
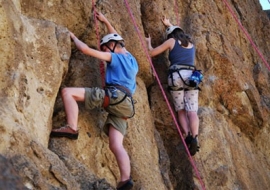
(115, 44)
(108, 47)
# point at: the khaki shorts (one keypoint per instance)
(118, 113)
(183, 99)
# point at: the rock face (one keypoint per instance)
(38, 59)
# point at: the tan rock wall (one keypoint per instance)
(38, 59)
(35, 58)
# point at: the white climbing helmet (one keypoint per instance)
(171, 29)
(110, 37)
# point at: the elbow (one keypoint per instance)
(151, 54)
(84, 49)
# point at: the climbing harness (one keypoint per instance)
(163, 93)
(193, 81)
(112, 93)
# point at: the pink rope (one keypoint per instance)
(101, 65)
(163, 93)
(247, 35)
(176, 12)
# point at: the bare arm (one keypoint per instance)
(103, 19)
(168, 44)
(106, 56)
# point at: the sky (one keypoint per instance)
(265, 4)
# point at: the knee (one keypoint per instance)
(192, 114)
(65, 92)
(115, 147)
(181, 112)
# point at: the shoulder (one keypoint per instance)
(191, 45)
(121, 56)
(170, 43)
(170, 40)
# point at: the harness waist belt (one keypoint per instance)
(121, 88)
(177, 67)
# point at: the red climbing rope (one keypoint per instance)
(101, 65)
(247, 35)
(163, 93)
(176, 12)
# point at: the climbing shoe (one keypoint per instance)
(65, 131)
(188, 139)
(125, 185)
(193, 148)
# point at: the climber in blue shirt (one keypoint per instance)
(115, 98)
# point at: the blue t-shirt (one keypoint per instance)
(122, 70)
(182, 56)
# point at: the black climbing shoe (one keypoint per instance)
(125, 185)
(188, 139)
(193, 146)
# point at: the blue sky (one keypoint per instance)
(265, 4)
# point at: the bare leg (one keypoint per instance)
(183, 120)
(122, 158)
(70, 97)
(194, 122)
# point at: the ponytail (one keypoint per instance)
(178, 34)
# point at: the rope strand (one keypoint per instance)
(176, 13)
(101, 64)
(247, 35)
